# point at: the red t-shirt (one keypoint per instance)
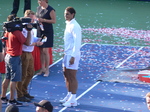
(14, 43)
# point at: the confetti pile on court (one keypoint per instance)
(101, 61)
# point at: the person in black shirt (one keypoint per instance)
(46, 17)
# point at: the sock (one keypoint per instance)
(73, 97)
(69, 94)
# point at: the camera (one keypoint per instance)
(17, 24)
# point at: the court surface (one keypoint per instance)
(104, 85)
(93, 95)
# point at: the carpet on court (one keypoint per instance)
(96, 63)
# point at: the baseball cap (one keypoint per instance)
(45, 104)
(12, 108)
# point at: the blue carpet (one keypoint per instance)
(95, 96)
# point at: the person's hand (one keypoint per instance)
(39, 43)
(39, 39)
(71, 60)
(40, 20)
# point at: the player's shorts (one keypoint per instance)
(13, 68)
(66, 59)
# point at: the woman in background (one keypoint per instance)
(46, 17)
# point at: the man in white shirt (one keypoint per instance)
(72, 44)
(27, 63)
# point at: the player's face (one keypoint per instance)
(68, 16)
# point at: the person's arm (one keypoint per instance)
(76, 33)
(28, 40)
(36, 42)
(52, 20)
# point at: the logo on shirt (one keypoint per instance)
(17, 25)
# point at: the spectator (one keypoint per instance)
(44, 106)
(148, 100)
(12, 108)
(13, 62)
(27, 63)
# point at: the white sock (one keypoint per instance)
(69, 94)
(73, 97)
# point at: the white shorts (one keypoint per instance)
(66, 59)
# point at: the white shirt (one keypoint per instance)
(72, 38)
(33, 39)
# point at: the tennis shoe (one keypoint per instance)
(64, 100)
(29, 96)
(23, 99)
(4, 100)
(10, 102)
(70, 103)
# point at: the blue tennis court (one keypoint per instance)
(101, 88)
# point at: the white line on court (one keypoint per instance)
(128, 57)
(82, 94)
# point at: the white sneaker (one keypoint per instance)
(70, 103)
(64, 100)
